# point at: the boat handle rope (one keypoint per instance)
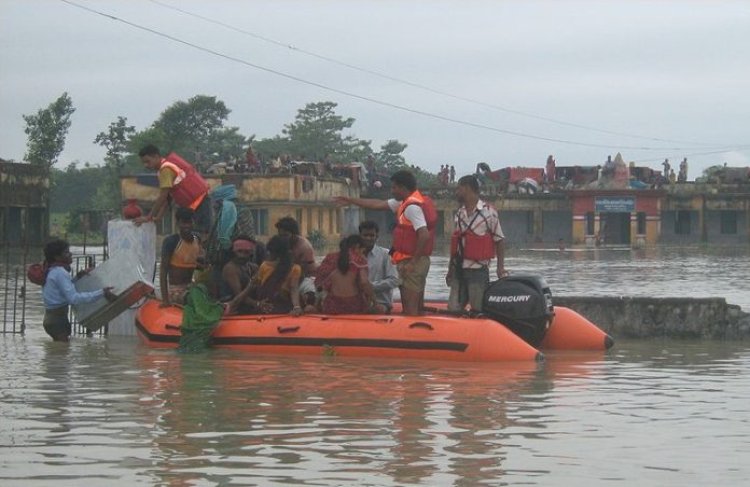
(421, 324)
(287, 329)
(261, 319)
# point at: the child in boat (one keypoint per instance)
(276, 285)
(344, 278)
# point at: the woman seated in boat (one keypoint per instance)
(275, 287)
(238, 273)
(343, 278)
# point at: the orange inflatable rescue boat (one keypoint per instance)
(389, 336)
(518, 318)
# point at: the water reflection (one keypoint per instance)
(274, 419)
(108, 411)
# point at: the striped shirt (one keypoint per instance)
(486, 221)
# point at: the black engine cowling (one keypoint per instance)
(523, 303)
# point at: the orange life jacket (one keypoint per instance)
(189, 187)
(404, 235)
(475, 247)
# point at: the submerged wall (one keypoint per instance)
(636, 317)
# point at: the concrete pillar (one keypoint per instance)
(537, 218)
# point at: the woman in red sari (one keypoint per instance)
(343, 275)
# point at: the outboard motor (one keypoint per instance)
(523, 303)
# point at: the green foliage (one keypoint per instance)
(424, 178)
(271, 148)
(390, 157)
(47, 130)
(115, 140)
(317, 239)
(194, 129)
(74, 187)
(316, 135)
(75, 221)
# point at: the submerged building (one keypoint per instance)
(24, 202)
(688, 213)
(308, 199)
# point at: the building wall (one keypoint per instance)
(684, 213)
(24, 199)
(673, 232)
(270, 197)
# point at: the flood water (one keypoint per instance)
(109, 411)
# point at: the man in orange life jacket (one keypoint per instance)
(413, 237)
(477, 239)
(180, 180)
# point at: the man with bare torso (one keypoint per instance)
(302, 254)
(179, 259)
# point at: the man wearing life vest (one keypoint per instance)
(477, 239)
(413, 237)
(180, 254)
(180, 181)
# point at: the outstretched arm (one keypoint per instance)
(369, 203)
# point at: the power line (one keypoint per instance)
(738, 148)
(362, 97)
(418, 85)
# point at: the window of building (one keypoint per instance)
(331, 220)
(590, 223)
(682, 222)
(641, 223)
(729, 222)
(260, 217)
(309, 221)
(298, 217)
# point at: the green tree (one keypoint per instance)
(195, 129)
(115, 140)
(75, 187)
(317, 133)
(390, 157)
(47, 130)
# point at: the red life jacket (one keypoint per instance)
(404, 235)
(475, 247)
(189, 187)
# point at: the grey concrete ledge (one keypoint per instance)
(645, 317)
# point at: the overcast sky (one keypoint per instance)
(671, 76)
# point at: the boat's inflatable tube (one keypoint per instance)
(568, 330)
(396, 336)
(571, 331)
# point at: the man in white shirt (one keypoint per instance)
(413, 237)
(381, 271)
(477, 239)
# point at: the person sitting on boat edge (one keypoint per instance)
(180, 253)
(238, 273)
(59, 292)
(276, 283)
(380, 270)
(303, 255)
(344, 278)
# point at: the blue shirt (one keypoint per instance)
(382, 275)
(58, 290)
